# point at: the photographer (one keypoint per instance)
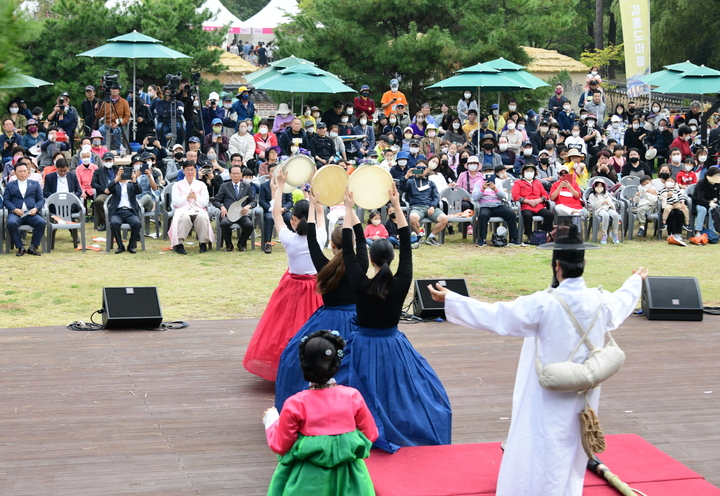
(210, 112)
(164, 110)
(151, 144)
(116, 113)
(424, 199)
(211, 175)
(228, 116)
(48, 148)
(145, 122)
(64, 117)
(148, 178)
(191, 110)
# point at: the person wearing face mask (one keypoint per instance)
(102, 177)
(293, 136)
(596, 106)
(465, 104)
(264, 139)
(430, 144)
(566, 118)
(419, 125)
(13, 113)
(489, 198)
(33, 136)
(525, 156)
(392, 98)
(363, 127)
(172, 166)
(687, 175)
(375, 229)
(333, 134)
(529, 192)
(48, 148)
(443, 119)
(567, 194)
(345, 128)
(538, 137)
(602, 204)
(364, 104)
(673, 198)
(244, 107)
(423, 197)
(468, 179)
(682, 142)
(593, 75)
(400, 168)
(616, 130)
(85, 146)
(513, 136)
(575, 140)
(496, 122)
(217, 141)
(546, 170)
(392, 127)
(89, 108)
(307, 118)
(322, 146)
(456, 134)
(556, 102)
(487, 155)
(705, 200)
(243, 143)
(84, 173)
(635, 136)
(403, 117)
(507, 155)
(603, 168)
(228, 115)
(414, 153)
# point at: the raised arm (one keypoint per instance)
(316, 253)
(353, 268)
(277, 203)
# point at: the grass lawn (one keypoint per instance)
(66, 285)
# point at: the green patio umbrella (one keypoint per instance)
(302, 81)
(701, 80)
(277, 66)
(515, 72)
(18, 80)
(134, 46)
(669, 74)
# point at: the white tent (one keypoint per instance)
(222, 18)
(276, 12)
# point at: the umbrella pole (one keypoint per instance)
(134, 116)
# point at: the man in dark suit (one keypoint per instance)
(123, 207)
(24, 200)
(103, 176)
(229, 193)
(62, 180)
(268, 224)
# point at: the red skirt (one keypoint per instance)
(291, 304)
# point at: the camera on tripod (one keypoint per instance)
(173, 82)
(110, 80)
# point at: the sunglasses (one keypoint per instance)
(563, 173)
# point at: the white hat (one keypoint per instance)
(616, 118)
(283, 109)
(214, 96)
(176, 146)
(430, 126)
(651, 154)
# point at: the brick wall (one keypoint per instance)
(266, 110)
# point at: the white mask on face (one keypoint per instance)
(393, 121)
(333, 134)
(467, 95)
(662, 129)
(196, 104)
(307, 113)
(227, 105)
(702, 159)
(376, 221)
(669, 184)
(676, 159)
(512, 108)
(402, 162)
(594, 73)
(521, 127)
(433, 165)
(590, 123)
(363, 122)
(414, 149)
(343, 119)
(636, 125)
(527, 152)
(14, 110)
(263, 130)
(108, 165)
(294, 149)
(86, 160)
(688, 167)
(529, 176)
(566, 108)
(511, 125)
(599, 191)
(576, 133)
(503, 147)
(349, 111)
(472, 167)
(693, 128)
(495, 111)
(444, 149)
(656, 110)
(456, 125)
(615, 125)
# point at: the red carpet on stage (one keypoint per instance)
(472, 470)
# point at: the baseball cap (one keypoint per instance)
(216, 121)
(176, 146)
(65, 93)
(214, 96)
(227, 98)
(309, 124)
(526, 143)
(365, 87)
(321, 125)
(473, 159)
(494, 106)
(194, 139)
(89, 87)
(414, 142)
(108, 156)
(137, 158)
(394, 82)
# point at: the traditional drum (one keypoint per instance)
(370, 186)
(328, 184)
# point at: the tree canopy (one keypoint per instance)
(80, 25)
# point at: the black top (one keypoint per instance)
(343, 294)
(705, 192)
(371, 311)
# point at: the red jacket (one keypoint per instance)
(530, 191)
(568, 201)
(366, 105)
(684, 147)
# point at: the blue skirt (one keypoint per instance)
(402, 391)
(289, 380)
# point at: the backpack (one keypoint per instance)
(538, 238)
(499, 237)
(712, 236)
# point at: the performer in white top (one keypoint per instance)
(543, 453)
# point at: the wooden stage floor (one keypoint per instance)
(174, 412)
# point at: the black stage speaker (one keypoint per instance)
(423, 304)
(672, 298)
(131, 308)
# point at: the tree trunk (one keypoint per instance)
(612, 40)
(598, 30)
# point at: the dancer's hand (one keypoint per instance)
(349, 201)
(642, 272)
(439, 292)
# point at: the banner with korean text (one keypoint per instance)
(635, 15)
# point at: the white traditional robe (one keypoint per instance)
(180, 191)
(543, 453)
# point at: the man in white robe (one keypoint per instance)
(543, 453)
(190, 199)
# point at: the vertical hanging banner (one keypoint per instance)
(635, 15)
